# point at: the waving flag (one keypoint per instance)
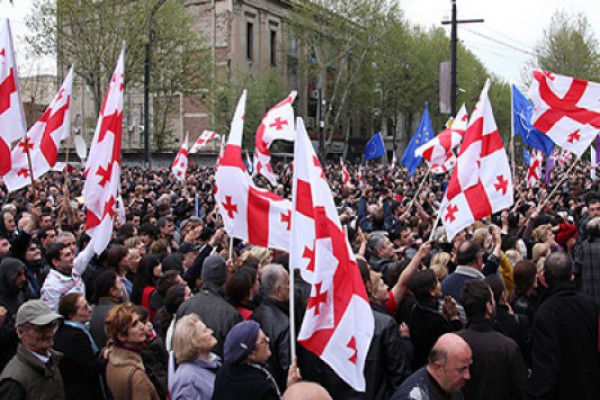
(423, 134)
(249, 213)
(394, 160)
(338, 325)
(522, 111)
(12, 119)
(180, 164)
(361, 178)
(203, 140)
(103, 170)
(278, 123)
(439, 151)
(345, 174)
(481, 183)
(43, 140)
(534, 166)
(374, 147)
(566, 109)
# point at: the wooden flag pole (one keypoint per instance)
(30, 167)
(418, 190)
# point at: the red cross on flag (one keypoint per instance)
(278, 123)
(534, 170)
(566, 109)
(203, 140)
(439, 151)
(103, 168)
(345, 174)
(12, 118)
(481, 183)
(249, 213)
(43, 140)
(180, 164)
(338, 325)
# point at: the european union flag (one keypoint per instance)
(423, 134)
(522, 111)
(375, 147)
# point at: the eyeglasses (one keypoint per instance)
(52, 326)
(265, 340)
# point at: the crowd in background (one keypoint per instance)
(507, 309)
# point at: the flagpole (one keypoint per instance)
(418, 189)
(565, 175)
(512, 131)
(231, 247)
(30, 166)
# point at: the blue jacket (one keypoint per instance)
(195, 380)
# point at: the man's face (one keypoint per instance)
(594, 210)
(9, 222)
(456, 371)
(406, 238)
(50, 238)
(65, 262)
(38, 338)
(45, 220)
(188, 258)
(386, 249)
(167, 228)
(70, 242)
(4, 247)
(20, 279)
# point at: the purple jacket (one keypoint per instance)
(195, 380)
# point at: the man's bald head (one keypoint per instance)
(449, 362)
(306, 391)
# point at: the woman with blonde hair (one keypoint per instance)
(197, 365)
(439, 264)
(125, 373)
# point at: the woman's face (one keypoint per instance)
(261, 352)
(206, 339)
(136, 334)
(84, 311)
(380, 291)
(157, 271)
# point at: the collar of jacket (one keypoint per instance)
(212, 288)
(284, 306)
(562, 289)
(28, 358)
(120, 357)
(469, 271)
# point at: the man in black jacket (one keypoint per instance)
(565, 362)
(498, 371)
(12, 295)
(274, 320)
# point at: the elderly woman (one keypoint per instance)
(197, 365)
(81, 368)
(125, 374)
(243, 375)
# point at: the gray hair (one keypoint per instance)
(375, 241)
(593, 228)
(271, 277)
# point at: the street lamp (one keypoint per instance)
(147, 65)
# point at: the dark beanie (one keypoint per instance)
(240, 341)
(214, 270)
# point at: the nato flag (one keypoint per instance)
(423, 134)
(375, 147)
(522, 111)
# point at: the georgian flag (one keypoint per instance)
(203, 140)
(481, 183)
(534, 166)
(180, 164)
(566, 109)
(43, 140)
(439, 151)
(278, 123)
(12, 118)
(345, 174)
(103, 169)
(338, 325)
(249, 213)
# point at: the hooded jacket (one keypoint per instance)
(11, 298)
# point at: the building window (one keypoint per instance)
(273, 48)
(250, 40)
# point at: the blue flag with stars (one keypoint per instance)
(522, 111)
(375, 147)
(423, 134)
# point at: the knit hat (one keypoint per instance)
(240, 341)
(565, 232)
(214, 270)
(36, 312)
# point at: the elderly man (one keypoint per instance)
(273, 317)
(33, 372)
(470, 265)
(445, 374)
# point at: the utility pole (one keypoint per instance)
(453, 42)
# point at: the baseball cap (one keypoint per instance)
(36, 312)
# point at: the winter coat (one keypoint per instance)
(245, 381)
(99, 313)
(11, 298)
(80, 367)
(421, 385)
(565, 362)
(274, 320)
(156, 361)
(126, 377)
(195, 380)
(210, 305)
(498, 371)
(26, 377)
(586, 267)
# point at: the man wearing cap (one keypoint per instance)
(33, 372)
(210, 304)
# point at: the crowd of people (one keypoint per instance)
(507, 309)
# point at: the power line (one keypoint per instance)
(525, 45)
(510, 46)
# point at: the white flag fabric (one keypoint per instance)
(566, 109)
(249, 213)
(278, 123)
(534, 169)
(12, 118)
(338, 325)
(203, 140)
(180, 164)
(43, 140)
(345, 173)
(481, 183)
(103, 169)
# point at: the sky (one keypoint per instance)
(504, 42)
